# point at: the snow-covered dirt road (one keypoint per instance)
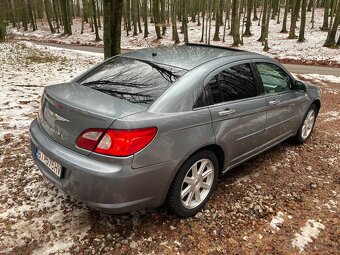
(283, 202)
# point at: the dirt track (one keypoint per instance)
(258, 207)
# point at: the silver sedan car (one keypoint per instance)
(160, 125)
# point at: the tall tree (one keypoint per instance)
(95, 20)
(294, 17)
(163, 20)
(266, 31)
(156, 14)
(330, 41)
(174, 22)
(248, 19)
(145, 18)
(325, 16)
(48, 15)
(285, 15)
(185, 21)
(65, 17)
(217, 23)
(303, 21)
(235, 18)
(112, 27)
(264, 11)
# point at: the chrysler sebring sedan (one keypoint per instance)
(160, 125)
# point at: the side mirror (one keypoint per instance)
(300, 86)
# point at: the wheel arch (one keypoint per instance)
(216, 149)
(317, 103)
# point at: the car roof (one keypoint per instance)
(187, 56)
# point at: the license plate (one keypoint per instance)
(51, 164)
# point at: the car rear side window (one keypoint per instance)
(233, 83)
(137, 81)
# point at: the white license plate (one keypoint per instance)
(51, 164)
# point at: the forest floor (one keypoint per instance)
(285, 201)
(283, 49)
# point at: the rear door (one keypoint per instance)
(238, 114)
(282, 101)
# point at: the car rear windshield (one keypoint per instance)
(137, 81)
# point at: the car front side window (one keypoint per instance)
(274, 78)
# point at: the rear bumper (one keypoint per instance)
(105, 183)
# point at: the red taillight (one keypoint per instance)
(116, 142)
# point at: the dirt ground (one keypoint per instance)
(284, 201)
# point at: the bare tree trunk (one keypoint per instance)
(217, 22)
(157, 18)
(313, 13)
(265, 8)
(266, 46)
(247, 32)
(145, 15)
(185, 21)
(285, 15)
(48, 15)
(174, 22)
(235, 22)
(112, 27)
(330, 41)
(95, 20)
(294, 17)
(325, 17)
(303, 21)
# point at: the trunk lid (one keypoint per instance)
(70, 108)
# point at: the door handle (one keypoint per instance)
(226, 112)
(274, 102)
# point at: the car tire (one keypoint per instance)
(193, 184)
(307, 125)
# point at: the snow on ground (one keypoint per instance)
(38, 218)
(277, 221)
(281, 48)
(309, 231)
(25, 70)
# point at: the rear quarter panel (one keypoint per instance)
(179, 135)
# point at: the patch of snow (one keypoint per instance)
(40, 211)
(310, 230)
(277, 221)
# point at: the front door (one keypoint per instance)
(282, 102)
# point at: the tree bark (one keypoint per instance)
(265, 8)
(303, 21)
(174, 23)
(294, 17)
(112, 27)
(266, 32)
(48, 15)
(325, 17)
(247, 32)
(95, 20)
(185, 21)
(285, 15)
(217, 22)
(157, 18)
(65, 17)
(235, 22)
(145, 17)
(330, 41)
